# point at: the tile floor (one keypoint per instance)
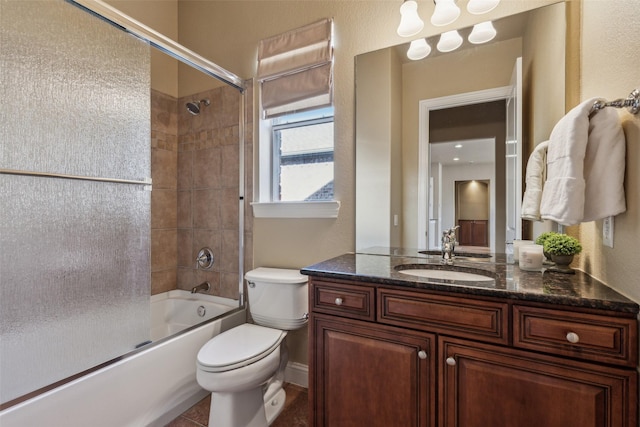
(295, 411)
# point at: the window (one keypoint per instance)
(302, 166)
(295, 77)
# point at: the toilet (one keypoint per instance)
(243, 367)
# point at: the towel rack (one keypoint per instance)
(632, 103)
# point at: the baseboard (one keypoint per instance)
(297, 373)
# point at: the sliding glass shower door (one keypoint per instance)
(74, 193)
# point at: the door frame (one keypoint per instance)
(426, 106)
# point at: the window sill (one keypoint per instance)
(321, 209)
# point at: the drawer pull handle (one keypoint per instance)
(422, 354)
(573, 338)
(451, 361)
(338, 301)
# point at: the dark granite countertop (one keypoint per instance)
(380, 266)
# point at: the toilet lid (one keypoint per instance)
(238, 347)
(278, 275)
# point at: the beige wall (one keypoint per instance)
(610, 64)
(161, 16)
(544, 41)
(378, 189)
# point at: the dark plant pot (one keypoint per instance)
(547, 258)
(562, 264)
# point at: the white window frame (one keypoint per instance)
(266, 206)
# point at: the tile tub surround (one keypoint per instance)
(378, 267)
(195, 173)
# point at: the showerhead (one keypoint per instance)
(194, 106)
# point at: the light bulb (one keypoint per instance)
(418, 49)
(445, 12)
(482, 33)
(410, 22)
(449, 41)
(478, 7)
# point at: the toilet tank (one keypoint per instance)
(278, 297)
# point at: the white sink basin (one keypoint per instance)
(447, 275)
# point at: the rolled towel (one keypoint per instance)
(535, 176)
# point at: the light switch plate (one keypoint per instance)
(607, 232)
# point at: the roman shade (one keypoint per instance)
(295, 70)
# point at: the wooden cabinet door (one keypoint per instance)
(483, 385)
(480, 233)
(368, 375)
(465, 233)
(473, 232)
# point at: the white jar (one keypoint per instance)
(516, 248)
(531, 257)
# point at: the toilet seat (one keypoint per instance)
(238, 347)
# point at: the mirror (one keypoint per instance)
(405, 109)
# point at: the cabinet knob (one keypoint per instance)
(338, 301)
(422, 354)
(451, 361)
(572, 337)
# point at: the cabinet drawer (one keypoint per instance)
(464, 317)
(343, 300)
(582, 335)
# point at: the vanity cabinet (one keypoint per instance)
(371, 375)
(483, 385)
(383, 355)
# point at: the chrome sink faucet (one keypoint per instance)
(204, 287)
(448, 244)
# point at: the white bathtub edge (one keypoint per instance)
(101, 399)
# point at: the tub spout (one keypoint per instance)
(202, 287)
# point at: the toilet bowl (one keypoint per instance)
(243, 368)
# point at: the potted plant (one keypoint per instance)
(543, 238)
(562, 248)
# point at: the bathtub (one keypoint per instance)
(175, 311)
(147, 388)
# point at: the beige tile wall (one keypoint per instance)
(195, 171)
(164, 201)
(208, 190)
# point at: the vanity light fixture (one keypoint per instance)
(418, 49)
(410, 22)
(445, 12)
(449, 41)
(482, 33)
(478, 7)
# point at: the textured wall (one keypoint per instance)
(609, 66)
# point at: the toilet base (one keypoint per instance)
(247, 408)
(274, 403)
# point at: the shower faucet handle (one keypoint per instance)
(204, 260)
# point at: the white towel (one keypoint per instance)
(604, 165)
(584, 153)
(563, 192)
(535, 176)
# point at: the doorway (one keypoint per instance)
(472, 212)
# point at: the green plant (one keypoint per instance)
(544, 236)
(561, 244)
